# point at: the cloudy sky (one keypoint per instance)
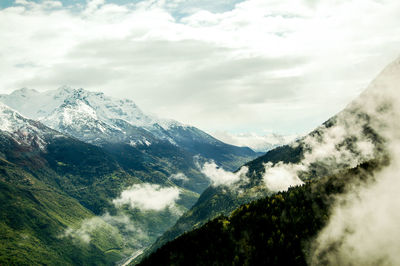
(238, 66)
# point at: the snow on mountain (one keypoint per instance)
(39, 105)
(91, 116)
(108, 122)
(96, 118)
(24, 131)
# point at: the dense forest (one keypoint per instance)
(275, 230)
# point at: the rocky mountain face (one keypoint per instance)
(22, 130)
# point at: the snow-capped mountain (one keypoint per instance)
(98, 119)
(22, 130)
(89, 116)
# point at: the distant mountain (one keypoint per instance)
(101, 120)
(257, 142)
(54, 189)
(354, 136)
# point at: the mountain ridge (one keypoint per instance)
(98, 119)
(353, 136)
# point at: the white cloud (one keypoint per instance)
(118, 229)
(361, 132)
(363, 227)
(88, 228)
(220, 177)
(257, 65)
(282, 176)
(343, 145)
(179, 177)
(148, 197)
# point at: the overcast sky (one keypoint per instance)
(238, 66)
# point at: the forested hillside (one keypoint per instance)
(275, 230)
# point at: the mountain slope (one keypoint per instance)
(33, 218)
(51, 157)
(275, 230)
(353, 136)
(35, 210)
(53, 185)
(220, 200)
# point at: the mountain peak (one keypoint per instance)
(72, 110)
(10, 120)
(7, 113)
(25, 91)
(21, 129)
(65, 89)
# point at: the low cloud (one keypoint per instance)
(361, 132)
(179, 177)
(124, 224)
(363, 227)
(121, 232)
(148, 197)
(88, 228)
(131, 230)
(219, 177)
(326, 151)
(280, 177)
